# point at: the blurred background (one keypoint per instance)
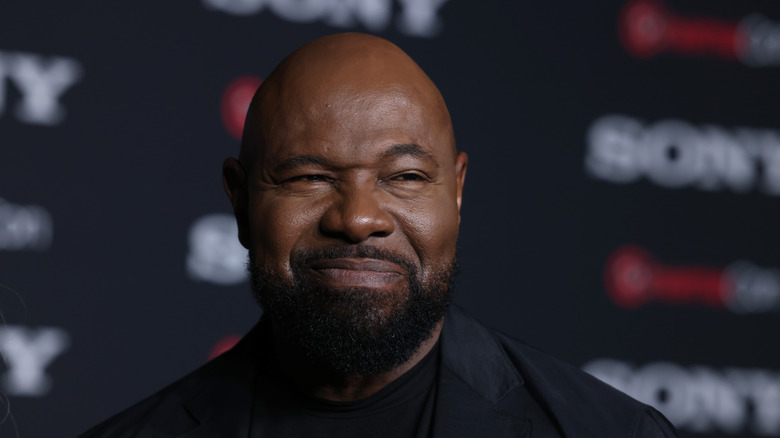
(620, 210)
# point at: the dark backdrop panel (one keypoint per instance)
(620, 209)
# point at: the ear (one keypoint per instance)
(235, 183)
(461, 163)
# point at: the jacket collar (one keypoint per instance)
(222, 397)
(479, 389)
(472, 353)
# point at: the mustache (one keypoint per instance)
(302, 258)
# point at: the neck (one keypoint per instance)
(315, 381)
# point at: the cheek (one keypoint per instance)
(277, 227)
(432, 230)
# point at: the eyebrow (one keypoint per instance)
(409, 149)
(395, 151)
(300, 161)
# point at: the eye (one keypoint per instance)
(308, 178)
(305, 182)
(409, 176)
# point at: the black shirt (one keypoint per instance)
(404, 408)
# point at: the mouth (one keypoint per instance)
(356, 272)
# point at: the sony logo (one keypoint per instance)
(41, 81)
(27, 352)
(417, 17)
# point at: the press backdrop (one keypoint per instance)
(620, 210)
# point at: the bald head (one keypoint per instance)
(331, 75)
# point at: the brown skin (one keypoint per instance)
(348, 142)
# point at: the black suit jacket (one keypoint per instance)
(489, 385)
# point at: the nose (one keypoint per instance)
(356, 215)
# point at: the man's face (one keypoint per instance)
(353, 207)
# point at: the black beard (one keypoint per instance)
(348, 332)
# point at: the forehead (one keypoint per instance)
(354, 123)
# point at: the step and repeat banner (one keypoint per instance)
(621, 209)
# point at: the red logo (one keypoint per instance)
(224, 345)
(647, 29)
(235, 103)
(633, 278)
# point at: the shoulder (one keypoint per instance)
(576, 402)
(218, 393)
(576, 399)
(161, 410)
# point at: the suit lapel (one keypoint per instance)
(480, 392)
(460, 411)
(228, 417)
(223, 399)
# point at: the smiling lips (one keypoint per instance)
(356, 272)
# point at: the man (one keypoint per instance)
(347, 193)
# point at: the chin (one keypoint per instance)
(354, 331)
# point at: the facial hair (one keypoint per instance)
(353, 331)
